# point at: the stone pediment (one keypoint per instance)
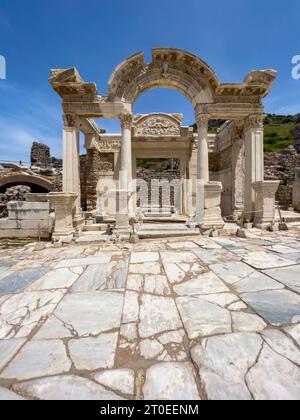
(157, 125)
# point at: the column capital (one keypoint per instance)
(126, 120)
(202, 120)
(70, 120)
(254, 121)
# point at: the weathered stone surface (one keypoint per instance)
(202, 318)
(19, 280)
(172, 337)
(223, 363)
(119, 380)
(142, 257)
(264, 260)
(274, 378)
(150, 349)
(221, 299)
(62, 278)
(94, 352)
(92, 279)
(174, 273)
(7, 395)
(276, 306)
(294, 332)
(131, 308)
(145, 268)
(38, 358)
(209, 256)
(178, 384)
(206, 283)
(243, 322)
(75, 262)
(8, 348)
(289, 276)
(21, 313)
(232, 272)
(65, 388)
(256, 282)
(282, 345)
(91, 313)
(157, 285)
(135, 282)
(157, 314)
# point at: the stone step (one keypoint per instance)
(159, 234)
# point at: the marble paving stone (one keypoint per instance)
(7, 395)
(38, 358)
(179, 382)
(157, 314)
(8, 348)
(207, 244)
(294, 332)
(281, 344)
(243, 322)
(174, 273)
(131, 308)
(224, 361)
(92, 279)
(117, 275)
(274, 378)
(142, 257)
(145, 268)
(19, 280)
(237, 306)
(215, 256)
(74, 262)
(21, 313)
(182, 245)
(150, 349)
(221, 299)
(264, 260)
(206, 283)
(289, 276)
(202, 318)
(256, 282)
(129, 331)
(54, 328)
(276, 306)
(172, 337)
(94, 352)
(119, 380)
(60, 388)
(91, 313)
(157, 285)
(62, 278)
(232, 272)
(282, 249)
(135, 282)
(178, 257)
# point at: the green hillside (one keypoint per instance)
(278, 132)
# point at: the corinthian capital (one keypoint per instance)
(69, 120)
(126, 120)
(255, 121)
(202, 120)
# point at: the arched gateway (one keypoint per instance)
(236, 152)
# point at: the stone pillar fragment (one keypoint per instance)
(265, 202)
(296, 186)
(64, 205)
(254, 158)
(212, 210)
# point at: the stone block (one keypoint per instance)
(9, 224)
(34, 224)
(21, 210)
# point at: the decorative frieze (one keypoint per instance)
(157, 126)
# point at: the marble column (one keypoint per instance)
(125, 174)
(254, 158)
(202, 164)
(71, 162)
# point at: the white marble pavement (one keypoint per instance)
(195, 319)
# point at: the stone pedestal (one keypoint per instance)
(265, 202)
(64, 205)
(212, 210)
(122, 216)
(296, 190)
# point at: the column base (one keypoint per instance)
(64, 237)
(212, 207)
(265, 202)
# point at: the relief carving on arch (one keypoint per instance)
(157, 126)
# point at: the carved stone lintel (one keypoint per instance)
(158, 125)
(69, 120)
(126, 120)
(255, 121)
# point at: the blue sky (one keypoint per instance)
(233, 37)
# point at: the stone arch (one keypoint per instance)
(170, 68)
(38, 184)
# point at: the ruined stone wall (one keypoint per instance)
(281, 165)
(40, 155)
